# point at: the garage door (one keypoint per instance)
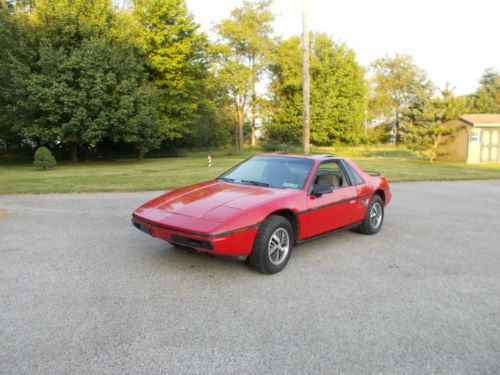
(490, 144)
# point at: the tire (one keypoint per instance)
(273, 245)
(373, 221)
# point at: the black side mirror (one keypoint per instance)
(322, 188)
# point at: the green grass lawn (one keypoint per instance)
(168, 173)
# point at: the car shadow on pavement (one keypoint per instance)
(182, 258)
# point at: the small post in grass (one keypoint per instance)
(209, 161)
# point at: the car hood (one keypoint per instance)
(213, 200)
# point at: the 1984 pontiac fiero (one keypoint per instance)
(265, 205)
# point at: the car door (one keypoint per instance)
(332, 210)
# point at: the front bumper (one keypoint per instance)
(234, 243)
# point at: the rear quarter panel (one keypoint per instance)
(366, 190)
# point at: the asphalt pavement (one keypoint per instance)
(82, 291)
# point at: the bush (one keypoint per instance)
(44, 159)
(379, 134)
(271, 146)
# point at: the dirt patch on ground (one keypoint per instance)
(4, 212)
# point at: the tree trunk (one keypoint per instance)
(236, 135)
(140, 154)
(397, 130)
(253, 141)
(436, 144)
(254, 137)
(239, 140)
(74, 152)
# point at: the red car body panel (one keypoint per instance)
(223, 217)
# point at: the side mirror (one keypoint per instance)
(321, 188)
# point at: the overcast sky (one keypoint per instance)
(453, 40)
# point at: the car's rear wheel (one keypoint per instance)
(273, 245)
(374, 216)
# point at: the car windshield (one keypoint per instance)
(271, 171)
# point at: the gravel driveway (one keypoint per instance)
(82, 291)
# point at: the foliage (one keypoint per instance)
(378, 134)
(88, 80)
(487, 97)
(396, 83)
(217, 125)
(178, 63)
(15, 57)
(338, 90)
(240, 59)
(44, 159)
(272, 146)
(146, 126)
(85, 75)
(424, 122)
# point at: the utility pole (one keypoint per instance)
(306, 97)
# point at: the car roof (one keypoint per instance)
(309, 156)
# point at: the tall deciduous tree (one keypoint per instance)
(246, 39)
(15, 57)
(8, 37)
(87, 83)
(338, 90)
(487, 97)
(178, 63)
(396, 83)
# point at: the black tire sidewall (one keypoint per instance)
(259, 258)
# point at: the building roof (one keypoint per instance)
(481, 119)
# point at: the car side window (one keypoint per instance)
(332, 174)
(353, 175)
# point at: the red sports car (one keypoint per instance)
(265, 205)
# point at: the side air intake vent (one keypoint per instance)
(192, 242)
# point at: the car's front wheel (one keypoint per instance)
(273, 245)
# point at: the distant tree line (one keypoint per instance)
(406, 107)
(85, 76)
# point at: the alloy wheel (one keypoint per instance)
(279, 246)
(376, 215)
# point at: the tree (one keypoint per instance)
(8, 33)
(423, 122)
(16, 55)
(178, 63)
(87, 83)
(44, 159)
(487, 97)
(216, 127)
(65, 82)
(246, 40)
(338, 90)
(396, 83)
(145, 127)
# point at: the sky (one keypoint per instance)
(454, 41)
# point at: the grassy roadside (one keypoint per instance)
(168, 173)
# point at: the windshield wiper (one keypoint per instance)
(225, 179)
(256, 183)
